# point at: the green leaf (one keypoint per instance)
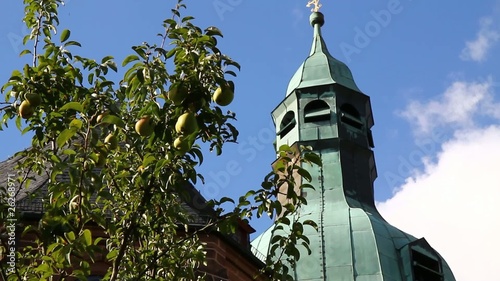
(250, 193)
(87, 237)
(298, 228)
(277, 206)
(226, 199)
(289, 208)
(106, 59)
(140, 75)
(188, 18)
(305, 174)
(280, 166)
(65, 136)
(46, 32)
(90, 78)
(72, 43)
(55, 159)
(26, 38)
(72, 105)
(213, 31)
(97, 240)
(52, 247)
(284, 220)
(122, 174)
(285, 148)
(243, 203)
(233, 63)
(43, 268)
(314, 158)
(148, 159)
(140, 51)
(129, 59)
(76, 124)
(307, 248)
(24, 52)
(112, 65)
(65, 35)
(27, 129)
(276, 239)
(232, 73)
(106, 83)
(311, 223)
(112, 255)
(199, 155)
(306, 240)
(105, 194)
(54, 174)
(112, 119)
(18, 123)
(70, 236)
(170, 53)
(16, 73)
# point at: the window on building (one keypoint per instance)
(317, 111)
(350, 116)
(425, 268)
(287, 124)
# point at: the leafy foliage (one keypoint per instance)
(133, 191)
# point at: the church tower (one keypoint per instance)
(324, 108)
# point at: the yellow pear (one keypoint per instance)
(186, 124)
(223, 96)
(26, 110)
(182, 144)
(111, 141)
(99, 118)
(177, 94)
(34, 99)
(145, 126)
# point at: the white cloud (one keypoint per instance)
(457, 107)
(454, 203)
(486, 38)
(453, 200)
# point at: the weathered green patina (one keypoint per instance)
(320, 68)
(325, 109)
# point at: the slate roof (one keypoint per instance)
(30, 200)
(8, 173)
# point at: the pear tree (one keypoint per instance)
(129, 148)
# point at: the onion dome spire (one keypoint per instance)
(320, 67)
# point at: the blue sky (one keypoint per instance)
(431, 69)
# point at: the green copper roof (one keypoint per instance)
(353, 241)
(320, 68)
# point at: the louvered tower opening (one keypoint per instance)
(317, 111)
(350, 116)
(287, 124)
(425, 268)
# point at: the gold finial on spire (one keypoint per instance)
(316, 4)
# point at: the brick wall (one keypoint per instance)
(226, 259)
